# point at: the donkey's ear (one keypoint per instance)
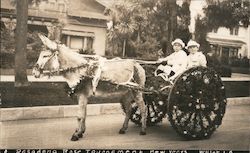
(47, 42)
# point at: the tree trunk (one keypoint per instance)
(124, 48)
(172, 23)
(21, 43)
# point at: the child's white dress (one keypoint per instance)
(196, 59)
(176, 62)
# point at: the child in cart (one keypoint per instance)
(176, 62)
(196, 57)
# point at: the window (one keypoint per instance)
(61, 7)
(233, 52)
(215, 30)
(234, 31)
(52, 5)
(78, 42)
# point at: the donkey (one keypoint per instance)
(121, 71)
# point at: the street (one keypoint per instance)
(102, 133)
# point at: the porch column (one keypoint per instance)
(68, 41)
(58, 32)
(85, 43)
(220, 52)
(248, 42)
(51, 32)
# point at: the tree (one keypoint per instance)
(228, 13)
(21, 41)
(156, 25)
(123, 25)
(201, 30)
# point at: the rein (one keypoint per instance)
(60, 71)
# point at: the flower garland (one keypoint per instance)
(154, 97)
(197, 103)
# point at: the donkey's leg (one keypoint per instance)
(141, 105)
(82, 102)
(126, 102)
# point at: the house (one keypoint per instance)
(80, 24)
(230, 43)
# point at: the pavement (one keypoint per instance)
(64, 111)
(31, 78)
(102, 133)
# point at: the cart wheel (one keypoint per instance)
(197, 103)
(156, 109)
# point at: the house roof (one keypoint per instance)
(87, 9)
(111, 3)
(226, 42)
(77, 8)
(86, 14)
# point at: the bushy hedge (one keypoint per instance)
(239, 62)
(8, 61)
(223, 70)
(7, 54)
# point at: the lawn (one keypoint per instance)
(45, 94)
(53, 93)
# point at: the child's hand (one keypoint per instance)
(160, 60)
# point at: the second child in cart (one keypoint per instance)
(195, 57)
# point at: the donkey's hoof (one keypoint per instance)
(143, 133)
(79, 135)
(122, 131)
(74, 138)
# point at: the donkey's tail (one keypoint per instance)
(139, 75)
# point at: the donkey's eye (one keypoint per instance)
(44, 56)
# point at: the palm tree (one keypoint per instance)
(123, 25)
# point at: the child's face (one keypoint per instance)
(192, 49)
(177, 47)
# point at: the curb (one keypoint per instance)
(58, 78)
(45, 112)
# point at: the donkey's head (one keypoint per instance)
(48, 60)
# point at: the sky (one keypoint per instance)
(195, 9)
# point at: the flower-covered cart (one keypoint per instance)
(195, 103)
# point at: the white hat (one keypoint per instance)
(192, 43)
(179, 41)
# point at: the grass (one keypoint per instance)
(53, 93)
(45, 94)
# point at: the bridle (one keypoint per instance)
(41, 69)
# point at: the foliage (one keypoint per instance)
(7, 41)
(34, 43)
(145, 25)
(239, 62)
(228, 13)
(30, 2)
(34, 46)
(201, 30)
(183, 20)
